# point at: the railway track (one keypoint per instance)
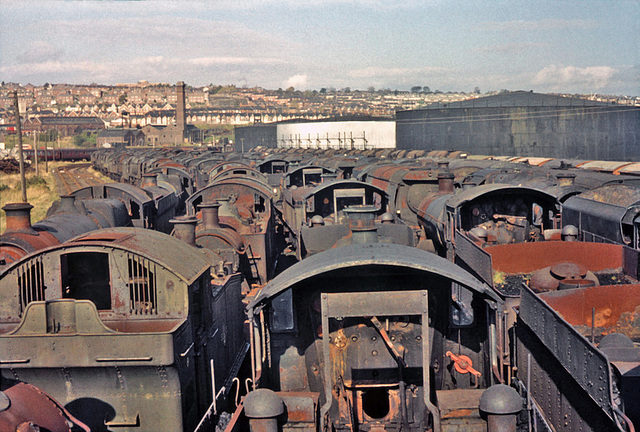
(73, 177)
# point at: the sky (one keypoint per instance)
(565, 46)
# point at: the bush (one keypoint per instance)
(36, 181)
(4, 187)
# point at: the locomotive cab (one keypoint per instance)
(123, 326)
(375, 337)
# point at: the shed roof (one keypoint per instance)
(70, 121)
(518, 99)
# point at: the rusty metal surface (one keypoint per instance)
(478, 191)
(295, 176)
(242, 173)
(301, 407)
(622, 195)
(108, 368)
(605, 166)
(525, 258)
(604, 220)
(184, 259)
(243, 188)
(616, 309)
(391, 177)
(93, 344)
(370, 254)
(477, 259)
(345, 184)
(113, 190)
(31, 409)
(14, 246)
(341, 367)
(223, 166)
(539, 265)
(582, 360)
(632, 168)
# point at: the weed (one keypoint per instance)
(37, 181)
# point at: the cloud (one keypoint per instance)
(163, 34)
(296, 81)
(546, 25)
(195, 71)
(562, 78)
(384, 72)
(220, 61)
(511, 48)
(39, 51)
(54, 66)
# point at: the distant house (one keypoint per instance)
(120, 137)
(65, 126)
(171, 135)
(87, 98)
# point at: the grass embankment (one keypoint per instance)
(42, 191)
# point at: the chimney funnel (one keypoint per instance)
(18, 217)
(184, 228)
(210, 215)
(445, 183)
(362, 223)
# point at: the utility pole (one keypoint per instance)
(58, 138)
(23, 181)
(35, 151)
(46, 154)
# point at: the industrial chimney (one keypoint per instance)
(181, 118)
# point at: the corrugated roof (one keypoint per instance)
(112, 133)
(518, 99)
(71, 121)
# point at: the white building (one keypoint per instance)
(360, 135)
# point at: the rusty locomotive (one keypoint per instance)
(368, 330)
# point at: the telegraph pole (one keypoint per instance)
(35, 151)
(23, 181)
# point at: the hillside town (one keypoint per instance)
(147, 103)
(122, 111)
